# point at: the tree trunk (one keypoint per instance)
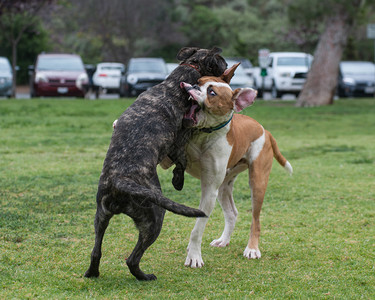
(320, 86)
(14, 64)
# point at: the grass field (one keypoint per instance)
(318, 234)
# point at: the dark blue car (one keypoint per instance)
(356, 79)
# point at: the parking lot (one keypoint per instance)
(23, 92)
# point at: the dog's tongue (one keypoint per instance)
(190, 116)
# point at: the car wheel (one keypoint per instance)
(275, 93)
(128, 93)
(260, 91)
(32, 93)
(121, 92)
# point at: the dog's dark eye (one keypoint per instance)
(211, 92)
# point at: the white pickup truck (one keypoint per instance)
(286, 73)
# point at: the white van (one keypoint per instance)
(286, 73)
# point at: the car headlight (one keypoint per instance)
(39, 77)
(285, 74)
(81, 80)
(132, 79)
(348, 81)
(5, 80)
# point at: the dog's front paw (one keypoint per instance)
(194, 261)
(219, 243)
(252, 253)
(91, 273)
(178, 178)
(147, 277)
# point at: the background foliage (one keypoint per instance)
(119, 29)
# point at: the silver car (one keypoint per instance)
(6, 77)
(241, 79)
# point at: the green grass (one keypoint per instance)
(318, 235)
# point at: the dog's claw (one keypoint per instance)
(219, 243)
(148, 277)
(194, 262)
(90, 274)
(252, 253)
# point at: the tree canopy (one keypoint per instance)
(119, 29)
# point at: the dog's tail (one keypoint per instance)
(155, 196)
(279, 157)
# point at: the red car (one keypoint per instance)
(58, 75)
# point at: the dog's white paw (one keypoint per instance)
(194, 260)
(251, 253)
(219, 243)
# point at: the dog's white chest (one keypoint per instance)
(207, 151)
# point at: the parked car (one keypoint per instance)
(286, 73)
(58, 75)
(240, 79)
(356, 78)
(141, 74)
(171, 67)
(107, 77)
(245, 63)
(6, 77)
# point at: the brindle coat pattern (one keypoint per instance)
(149, 130)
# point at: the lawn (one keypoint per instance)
(318, 234)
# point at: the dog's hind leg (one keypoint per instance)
(258, 173)
(101, 224)
(149, 229)
(226, 201)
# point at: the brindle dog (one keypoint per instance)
(149, 130)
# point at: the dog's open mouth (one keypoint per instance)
(190, 117)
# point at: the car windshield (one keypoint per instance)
(147, 66)
(294, 61)
(239, 71)
(4, 65)
(246, 64)
(357, 68)
(55, 63)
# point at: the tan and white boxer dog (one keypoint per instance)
(225, 145)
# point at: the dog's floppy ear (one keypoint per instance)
(186, 52)
(228, 73)
(243, 98)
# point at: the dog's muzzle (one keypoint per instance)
(190, 117)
